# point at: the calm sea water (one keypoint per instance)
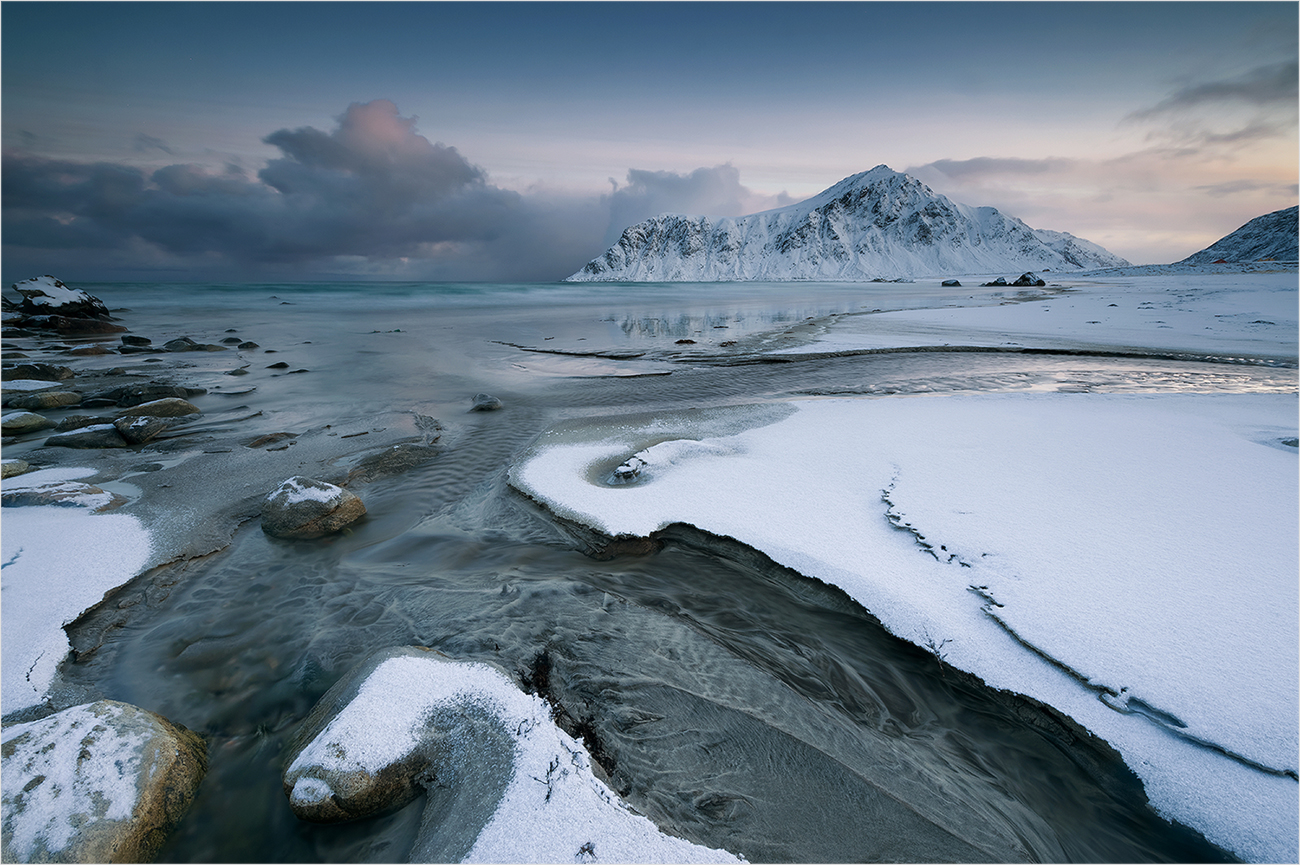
(732, 701)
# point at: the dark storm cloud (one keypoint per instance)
(372, 189)
(1264, 86)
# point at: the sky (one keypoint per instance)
(514, 141)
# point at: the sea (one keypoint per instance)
(733, 701)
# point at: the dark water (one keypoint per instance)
(731, 700)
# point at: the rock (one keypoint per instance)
(240, 371)
(247, 345)
(37, 372)
(460, 740)
(951, 283)
(88, 350)
(135, 394)
(138, 430)
(20, 422)
(71, 494)
(47, 399)
(485, 402)
(13, 467)
(102, 435)
(45, 295)
(231, 340)
(1030, 278)
(280, 365)
(72, 326)
(305, 508)
(685, 342)
(136, 340)
(997, 282)
(167, 407)
(184, 343)
(272, 438)
(101, 782)
(76, 421)
(391, 461)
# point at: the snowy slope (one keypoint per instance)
(877, 224)
(1271, 236)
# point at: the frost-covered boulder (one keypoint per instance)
(304, 508)
(1030, 279)
(167, 407)
(61, 493)
(505, 783)
(20, 422)
(45, 295)
(101, 782)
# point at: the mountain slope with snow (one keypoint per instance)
(879, 224)
(1271, 236)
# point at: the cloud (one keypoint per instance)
(715, 191)
(1257, 105)
(363, 196)
(145, 143)
(1238, 187)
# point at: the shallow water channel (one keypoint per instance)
(731, 700)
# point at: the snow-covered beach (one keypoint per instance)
(1113, 537)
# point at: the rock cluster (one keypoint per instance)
(48, 304)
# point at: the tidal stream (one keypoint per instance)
(733, 701)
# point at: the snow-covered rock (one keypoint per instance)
(45, 295)
(306, 508)
(102, 782)
(505, 783)
(874, 225)
(1273, 236)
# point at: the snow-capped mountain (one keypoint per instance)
(877, 224)
(1271, 236)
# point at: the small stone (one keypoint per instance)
(303, 508)
(685, 342)
(13, 467)
(88, 350)
(231, 340)
(128, 339)
(20, 422)
(280, 365)
(951, 283)
(485, 402)
(138, 430)
(240, 371)
(247, 345)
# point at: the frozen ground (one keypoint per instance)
(59, 560)
(1252, 314)
(1130, 560)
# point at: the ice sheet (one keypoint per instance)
(1145, 544)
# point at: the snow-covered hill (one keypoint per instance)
(1271, 236)
(877, 224)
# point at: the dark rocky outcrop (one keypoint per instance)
(1030, 279)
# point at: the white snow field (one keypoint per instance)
(59, 561)
(553, 808)
(1128, 559)
(1251, 314)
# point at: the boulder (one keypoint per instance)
(184, 343)
(101, 782)
(45, 295)
(70, 494)
(951, 283)
(76, 421)
(102, 435)
(138, 430)
(13, 467)
(485, 402)
(302, 508)
(72, 326)
(20, 422)
(1030, 279)
(134, 394)
(37, 372)
(136, 340)
(997, 282)
(167, 407)
(47, 399)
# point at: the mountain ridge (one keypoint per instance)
(875, 224)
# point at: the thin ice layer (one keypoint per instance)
(1145, 543)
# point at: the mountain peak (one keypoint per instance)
(876, 224)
